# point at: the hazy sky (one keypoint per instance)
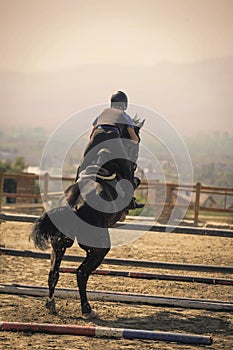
(54, 34)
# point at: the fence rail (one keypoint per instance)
(25, 195)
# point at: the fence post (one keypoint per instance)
(167, 206)
(45, 187)
(197, 203)
(225, 200)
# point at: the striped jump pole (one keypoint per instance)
(105, 332)
(120, 297)
(154, 276)
(123, 262)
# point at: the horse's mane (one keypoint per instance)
(138, 122)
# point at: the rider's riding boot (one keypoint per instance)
(134, 205)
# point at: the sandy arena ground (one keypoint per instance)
(151, 246)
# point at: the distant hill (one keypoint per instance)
(193, 96)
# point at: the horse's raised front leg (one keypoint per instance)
(93, 259)
(59, 245)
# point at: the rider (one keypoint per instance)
(107, 126)
(119, 101)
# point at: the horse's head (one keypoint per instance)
(138, 124)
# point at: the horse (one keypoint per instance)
(81, 218)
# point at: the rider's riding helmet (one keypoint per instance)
(119, 100)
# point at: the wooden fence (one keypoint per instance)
(161, 197)
(198, 197)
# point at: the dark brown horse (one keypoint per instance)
(94, 203)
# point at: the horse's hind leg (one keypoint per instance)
(59, 245)
(93, 259)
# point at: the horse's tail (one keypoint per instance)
(42, 231)
(52, 223)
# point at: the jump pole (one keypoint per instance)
(154, 276)
(123, 262)
(139, 227)
(120, 297)
(105, 332)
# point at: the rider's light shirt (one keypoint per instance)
(113, 116)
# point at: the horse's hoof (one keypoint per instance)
(90, 315)
(51, 306)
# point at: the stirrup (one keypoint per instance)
(134, 205)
